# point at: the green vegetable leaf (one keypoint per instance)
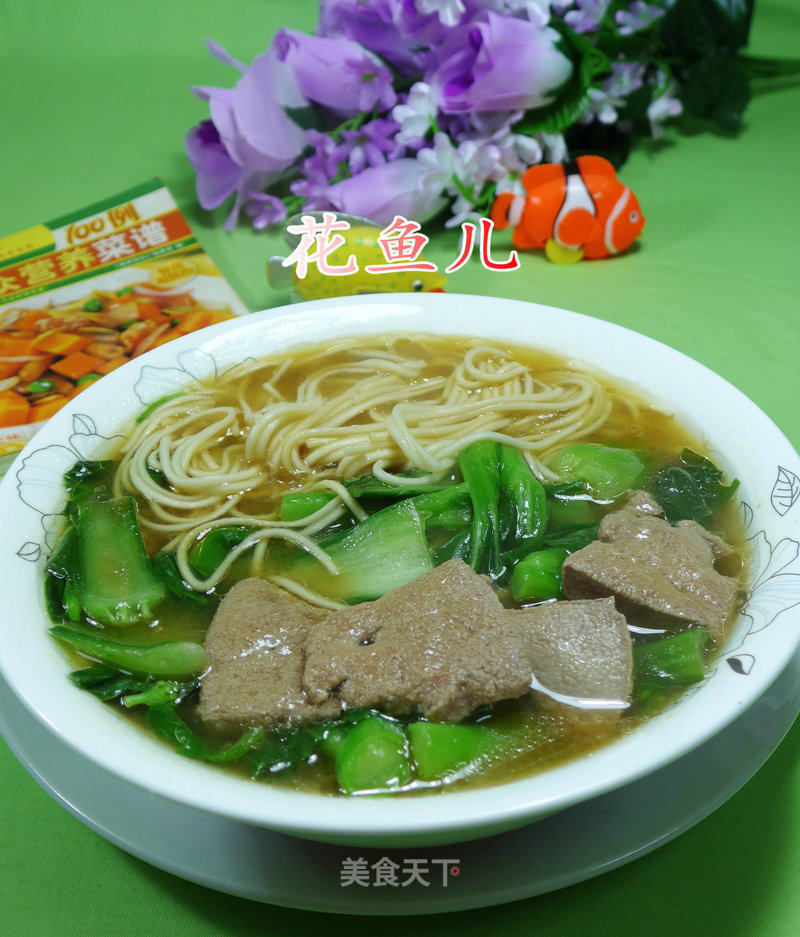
(108, 684)
(88, 481)
(166, 723)
(692, 489)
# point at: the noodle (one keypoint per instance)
(360, 407)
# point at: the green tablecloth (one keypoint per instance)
(94, 99)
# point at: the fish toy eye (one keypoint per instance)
(417, 286)
(634, 216)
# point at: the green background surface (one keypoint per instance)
(94, 99)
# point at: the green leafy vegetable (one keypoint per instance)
(523, 500)
(157, 403)
(537, 577)
(166, 569)
(573, 539)
(61, 572)
(479, 464)
(609, 471)
(167, 659)
(385, 551)
(559, 489)
(284, 748)
(441, 749)
(692, 489)
(373, 756)
(166, 723)
(88, 481)
(107, 683)
(117, 584)
(672, 661)
(210, 552)
(568, 512)
(299, 504)
(160, 692)
(448, 509)
(459, 546)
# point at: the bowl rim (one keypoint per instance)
(113, 743)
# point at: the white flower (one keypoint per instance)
(555, 147)
(449, 11)
(602, 105)
(439, 166)
(417, 115)
(517, 152)
(462, 210)
(665, 103)
(512, 184)
(476, 162)
(471, 164)
(625, 78)
(663, 107)
(537, 11)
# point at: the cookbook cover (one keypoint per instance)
(85, 293)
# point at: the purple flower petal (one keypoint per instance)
(217, 174)
(381, 192)
(498, 63)
(335, 72)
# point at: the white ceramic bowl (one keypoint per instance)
(760, 645)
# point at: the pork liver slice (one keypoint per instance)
(654, 570)
(581, 649)
(255, 649)
(441, 645)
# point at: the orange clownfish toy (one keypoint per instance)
(571, 210)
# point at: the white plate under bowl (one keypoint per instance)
(744, 440)
(251, 862)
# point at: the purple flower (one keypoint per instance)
(625, 78)
(317, 171)
(253, 128)
(637, 17)
(498, 63)
(381, 192)
(217, 174)
(394, 29)
(372, 144)
(586, 18)
(335, 72)
(264, 209)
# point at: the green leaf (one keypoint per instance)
(588, 64)
(596, 139)
(694, 29)
(166, 723)
(691, 489)
(718, 90)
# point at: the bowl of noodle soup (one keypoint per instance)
(377, 386)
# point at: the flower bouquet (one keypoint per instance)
(421, 107)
